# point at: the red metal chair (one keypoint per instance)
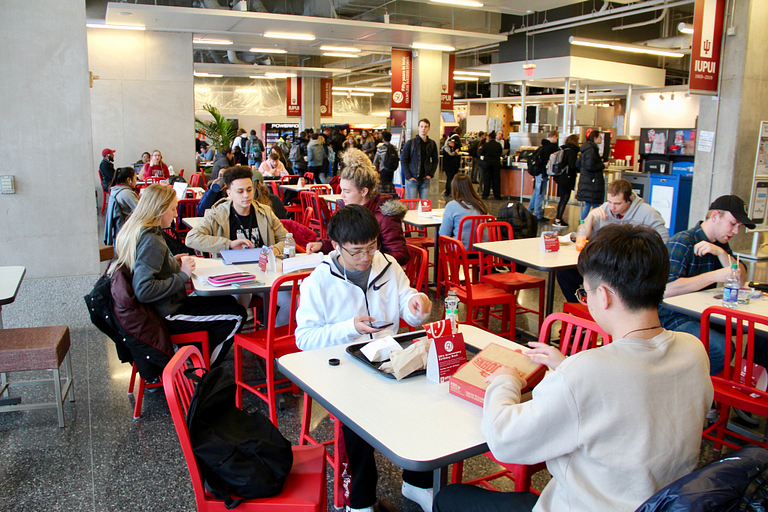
(735, 385)
(576, 334)
(309, 177)
(150, 180)
(104, 196)
(415, 235)
(305, 487)
(194, 180)
(295, 209)
(501, 274)
(416, 270)
(400, 191)
(181, 173)
(322, 190)
(186, 208)
(334, 458)
(470, 223)
(307, 217)
(320, 212)
(199, 337)
(270, 344)
(476, 296)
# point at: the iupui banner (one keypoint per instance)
(326, 97)
(402, 64)
(293, 96)
(446, 84)
(705, 49)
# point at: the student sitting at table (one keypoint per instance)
(239, 221)
(272, 166)
(354, 285)
(122, 202)
(155, 167)
(465, 202)
(159, 278)
(615, 424)
(359, 185)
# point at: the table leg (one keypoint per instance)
(435, 254)
(550, 292)
(439, 479)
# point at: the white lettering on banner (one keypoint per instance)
(708, 28)
(705, 66)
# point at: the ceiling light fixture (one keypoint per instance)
(343, 55)
(202, 89)
(672, 97)
(463, 3)
(280, 75)
(624, 47)
(642, 97)
(348, 93)
(420, 46)
(380, 114)
(687, 96)
(685, 28)
(363, 89)
(339, 49)
(206, 75)
(460, 78)
(268, 50)
(661, 97)
(473, 73)
(260, 77)
(283, 35)
(211, 41)
(118, 27)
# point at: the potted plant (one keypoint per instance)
(219, 131)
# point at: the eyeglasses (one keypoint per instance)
(358, 255)
(581, 294)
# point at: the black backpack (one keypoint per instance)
(524, 223)
(391, 158)
(536, 163)
(239, 453)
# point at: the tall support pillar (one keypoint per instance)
(425, 92)
(627, 110)
(310, 110)
(523, 120)
(567, 107)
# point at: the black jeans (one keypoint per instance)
(492, 179)
(565, 194)
(468, 498)
(569, 280)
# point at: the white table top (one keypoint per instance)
(414, 422)
(192, 222)
(10, 280)
(694, 304)
(207, 267)
(527, 251)
(295, 187)
(412, 217)
(331, 198)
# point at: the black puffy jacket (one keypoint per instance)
(591, 181)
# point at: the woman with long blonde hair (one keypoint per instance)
(159, 278)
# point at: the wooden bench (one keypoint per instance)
(36, 348)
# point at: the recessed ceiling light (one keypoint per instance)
(283, 35)
(463, 3)
(420, 46)
(343, 55)
(211, 41)
(341, 93)
(268, 50)
(340, 49)
(280, 75)
(472, 73)
(117, 27)
(260, 77)
(364, 89)
(685, 28)
(208, 75)
(623, 47)
(459, 78)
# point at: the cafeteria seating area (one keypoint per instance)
(106, 460)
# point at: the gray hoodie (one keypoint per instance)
(157, 278)
(640, 213)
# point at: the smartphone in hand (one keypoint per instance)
(379, 324)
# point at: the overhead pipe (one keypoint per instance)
(643, 23)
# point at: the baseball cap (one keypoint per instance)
(257, 176)
(735, 206)
(107, 151)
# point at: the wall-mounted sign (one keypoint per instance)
(402, 64)
(705, 49)
(446, 84)
(293, 96)
(326, 97)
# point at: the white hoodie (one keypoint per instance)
(329, 303)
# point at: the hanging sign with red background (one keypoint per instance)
(705, 49)
(446, 84)
(402, 63)
(326, 97)
(293, 96)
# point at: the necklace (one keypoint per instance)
(644, 329)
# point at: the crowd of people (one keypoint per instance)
(605, 453)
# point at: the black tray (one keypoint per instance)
(405, 340)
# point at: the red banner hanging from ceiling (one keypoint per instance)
(402, 64)
(705, 49)
(446, 84)
(293, 96)
(326, 97)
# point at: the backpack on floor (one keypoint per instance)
(239, 453)
(524, 223)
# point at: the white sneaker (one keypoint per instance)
(366, 509)
(418, 495)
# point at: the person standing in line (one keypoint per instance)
(566, 181)
(451, 163)
(315, 157)
(419, 159)
(540, 159)
(490, 154)
(386, 159)
(240, 141)
(473, 147)
(254, 149)
(592, 181)
(368, 144)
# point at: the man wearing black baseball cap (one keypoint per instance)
(699, 259)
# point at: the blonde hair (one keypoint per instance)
(261, 194)
(154, 202)
(359, 170)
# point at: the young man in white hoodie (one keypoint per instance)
(614, 424)
(355, 285)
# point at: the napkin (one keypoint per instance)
(379, 349)
(404, 362)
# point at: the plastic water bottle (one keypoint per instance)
(452, 309)
(581, 236)
(289, 246)
(731, 290)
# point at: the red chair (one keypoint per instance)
(275, 188)
(307, 217)
(415, 235)
(200, 337)
(734, 386)
(186, 208)
(501, 274)
(576, 334)
(194, 180)
(309, 177)
(295, 209)
(181, 173)
(416, 270)
(334, 459)
(320, 212)
(104, 196)
(305, 487)
(269, 344)
(476, 296)
(400, 191)
(322, 190)
(150, 180)
(470, 224)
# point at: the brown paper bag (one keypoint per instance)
(404, 362)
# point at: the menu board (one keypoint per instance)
(653, 141)
(667, 141)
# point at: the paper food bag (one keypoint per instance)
(404, 362)
(379, 349)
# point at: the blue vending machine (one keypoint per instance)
(671, 196)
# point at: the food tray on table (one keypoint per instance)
(405, 340)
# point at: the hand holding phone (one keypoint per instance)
(379, 324)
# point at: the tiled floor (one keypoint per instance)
(105, 460)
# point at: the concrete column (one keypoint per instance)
(627, 110)
(427, 73)
(523, 87)
(567, 107)
(310, 110)
(734, 116)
